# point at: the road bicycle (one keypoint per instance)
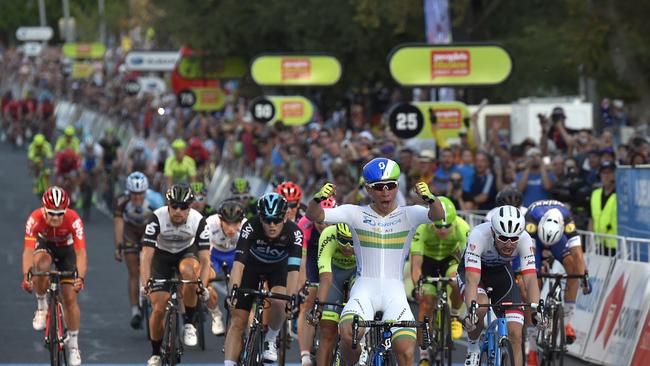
(171, 349)
(551, 342)
(442, 343)
(316, 309)
(55, 328)
(379, 338)
(496, 349)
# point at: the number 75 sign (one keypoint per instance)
(409, 120)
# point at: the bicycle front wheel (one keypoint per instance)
(506, 356)
(283, 343)
(252, 355)
(54, 334)
(445, 343)
(170, 336)
(555, 356)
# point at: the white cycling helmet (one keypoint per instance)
(551, 227)
(137, 182)
(508, 221)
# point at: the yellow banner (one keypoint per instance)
(84, 50)
(449, 65)
(208, 99)
(292, 110)
(296, 70)
(449, 121)
(81, 70)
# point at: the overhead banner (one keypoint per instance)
(84, 50)
(298, 70)
(202, 99)
(32, 48)
(413, 120)
(633, 204)
(619, 319)
(81, 70)
(449, 65)
(203, 67)
(38, 34)
(151, 60)
(291, 110)
(587, 305)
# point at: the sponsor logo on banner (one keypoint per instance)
(151, 61)
(450, 63)
(292, 109)
(642, 352)
(449, 118)
(618, 320)
(295, 68)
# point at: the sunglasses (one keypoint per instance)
(270, 221)
(199, 199)
(345, 242)
(179, 206)
(505, 239)
(55, 213)
(293, 204)
(381, 186)
(442, 226)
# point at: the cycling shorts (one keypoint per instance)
(164, 265)
(275, 274)
(435, 268)
(370, 295)
(64, 258)
(341, 278)
(311, 266)
(217, 257)
(504, 289)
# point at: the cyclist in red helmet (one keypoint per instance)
(292, 192)
(54, 234)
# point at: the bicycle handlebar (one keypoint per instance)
(54, 274)
(559, 276)
(387, 324)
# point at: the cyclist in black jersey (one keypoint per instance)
(176, 238)
(269, 246)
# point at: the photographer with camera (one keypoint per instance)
(555, 135)
(535, 181)
(572, 189)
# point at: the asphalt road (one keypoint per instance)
(105, 335)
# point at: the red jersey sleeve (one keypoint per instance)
(32, 227)
(76, 227)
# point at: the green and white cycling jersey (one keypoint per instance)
(426, 241)
(381, 243)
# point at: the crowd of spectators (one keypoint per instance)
(564, 164)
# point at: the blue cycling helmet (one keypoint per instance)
(137, 182)
(272, 206)
(379, 169)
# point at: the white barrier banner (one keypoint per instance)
(599, 268)
(642, 352)
(619, 319)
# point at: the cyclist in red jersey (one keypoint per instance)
(54, 233)
(66, 167)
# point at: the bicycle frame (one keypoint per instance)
(497, 329)
(441, 337)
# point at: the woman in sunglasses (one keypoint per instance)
(269, 247)
(487, 262)
(55, 234)
(177, 237)
(435, 252)
(381, 233)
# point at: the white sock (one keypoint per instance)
(135, 310)
(531, 333)
(41, 300)
(271, 335)
(229, 363)
(569, 308)
(216, 312)
(72, 338)
(473, 346)
(305, 358)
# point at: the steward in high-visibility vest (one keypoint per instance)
(603, 205)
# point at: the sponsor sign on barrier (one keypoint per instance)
(633, 205)
(620, 316)
(642, 351)
(587, 305)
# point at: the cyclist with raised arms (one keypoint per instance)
(224, 233)
(435, 252)
(269, 246)
(382, 233)
(54, 234)
(309, 271)
(550, 224)
(177, 237)
(337, 266)
(486, 262)
(132, 212)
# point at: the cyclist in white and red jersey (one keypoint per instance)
(54, 234)
(487, 262)
(382, 233)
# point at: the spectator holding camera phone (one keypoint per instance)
(554, 133)
(535, 181)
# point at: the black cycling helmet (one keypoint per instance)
(272, 206)
(509, 196)
(231, 211)
(180, 194)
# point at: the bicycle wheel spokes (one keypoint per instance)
(505, 354)
(52, 334)
(169, 345)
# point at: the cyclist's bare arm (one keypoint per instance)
(28, 259)
(82, 262)
(315, 212)
(292, 282)
(472, 280)
(416, 267)
(204, 261)
(145, 265)
(532, 287)
(118, 229)
(236, 273)
(324, 284)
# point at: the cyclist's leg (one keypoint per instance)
(132, 260)
(277, 282)
(331, 314)
(239, 316)
(328, 332)
(360, 303)
(42, 263)
(162, 267)
(396, 307)
(306, 331)
(188, 268)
